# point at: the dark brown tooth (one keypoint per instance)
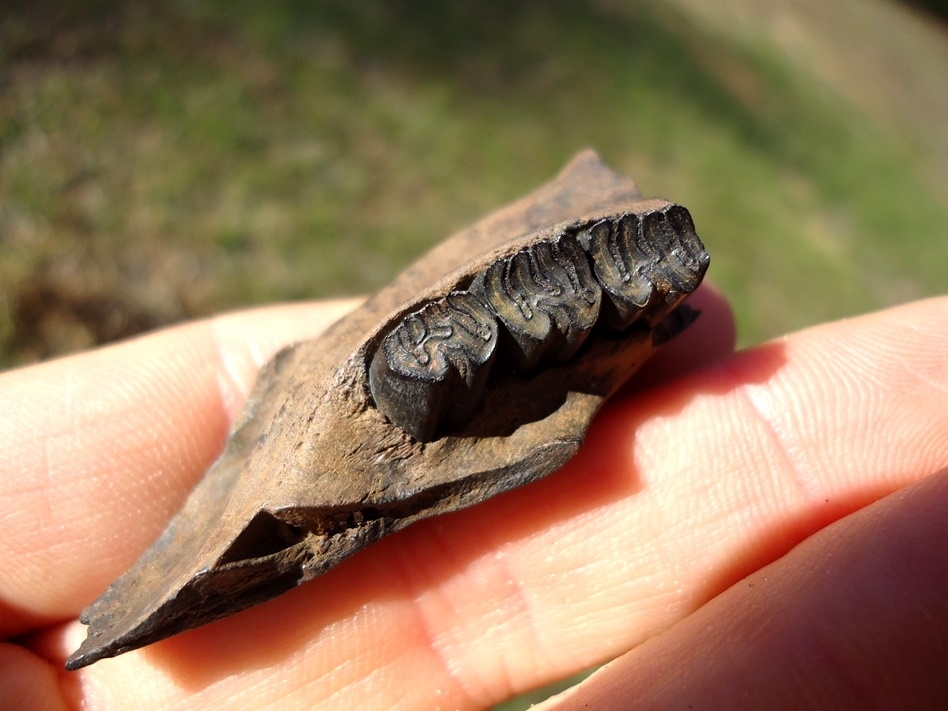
(431, 369)
(666, 273)
(686, 260)
(546, 298)
(619, 263)
(646, 263)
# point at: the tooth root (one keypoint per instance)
(431, 370)
(546, 298)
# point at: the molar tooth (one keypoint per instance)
(546, 298)
(430, 371)
(620, 263)
(646, 263)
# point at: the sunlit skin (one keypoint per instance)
(756, 529)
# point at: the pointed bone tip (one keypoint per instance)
(104, 638)
(586, 163)
(120, 622)
(112, 632)
(77, 661)
(107, 637)
(587, 156)
(88, 653)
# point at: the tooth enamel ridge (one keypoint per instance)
(646, 263)
(537, 305)
(546, 298)
(433, 366)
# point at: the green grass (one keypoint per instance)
(184, 158)
(160, 161)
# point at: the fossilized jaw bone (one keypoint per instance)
(317, 469)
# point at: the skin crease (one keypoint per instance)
(765, 525)
(793, 635)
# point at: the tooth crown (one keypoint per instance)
(436, 362)
(536, 305)
(546, 298)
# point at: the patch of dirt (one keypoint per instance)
(75, 302)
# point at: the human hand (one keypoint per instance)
(684, 496)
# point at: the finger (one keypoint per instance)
(855, 616)
(98, 450)
(28, 683)
(107, 444)
(710, 337)
(679, 492)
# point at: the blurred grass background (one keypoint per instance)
(167, 160)
(162, 161)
